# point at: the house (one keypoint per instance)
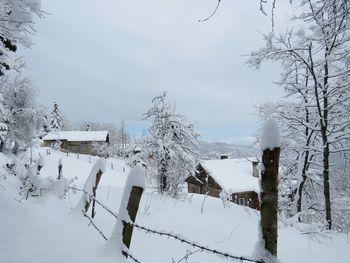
(238, 177)
(77, 141)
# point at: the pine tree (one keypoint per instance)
(55, 123)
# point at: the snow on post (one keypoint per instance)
(91, 184)
(134, 186)
(270, 145)
(270, 135)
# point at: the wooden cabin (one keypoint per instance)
(239, 177)
(77, 141)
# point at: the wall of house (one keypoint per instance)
(250, 199)
(75, 147)
(203, 189)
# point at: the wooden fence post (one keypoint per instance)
(133, 206)
(270, 143)
(90, 188)
(94, 188)
(129, 204)
(60, 166)
(98, 177)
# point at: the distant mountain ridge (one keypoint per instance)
(213, 150)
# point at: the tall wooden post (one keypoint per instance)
(98, 178)
(133, 206)
(269, 198)
(94, 188)
(60, 166)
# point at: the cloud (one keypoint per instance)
(105, 60)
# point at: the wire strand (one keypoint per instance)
(170, 235)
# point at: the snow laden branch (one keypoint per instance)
(315, 57)
(16, 27)
(170, 149)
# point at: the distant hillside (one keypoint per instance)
(213, 150)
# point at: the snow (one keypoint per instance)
(233, 175)
(77, 136)
(100, 166)
(270, 135)
(45, 229)
(136, 178)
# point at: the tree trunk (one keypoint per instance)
(269, 199)
(304, 177)
(326, 188)
(324, 132)
(163, 184)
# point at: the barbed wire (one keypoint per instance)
(95, 226)
(105, 238)
(170, 235)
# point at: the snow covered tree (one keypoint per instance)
(170, 148)
(298, 142)
(16, 23)
(3, 125)
(24, 119)
(55, 122)
(319, 53)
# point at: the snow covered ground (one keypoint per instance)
(46, 230)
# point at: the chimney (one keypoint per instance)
(255, 169)
(224, 156)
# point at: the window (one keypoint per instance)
(241, 201)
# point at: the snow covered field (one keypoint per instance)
(45, 230)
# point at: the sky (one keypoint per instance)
(104, 61)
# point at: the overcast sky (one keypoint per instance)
(105, 60)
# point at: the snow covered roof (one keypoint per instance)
(234, 175)
(77, 136)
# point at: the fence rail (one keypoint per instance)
(165, 234)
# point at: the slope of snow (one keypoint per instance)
(46, 230)
(234, 175)
(79, 166)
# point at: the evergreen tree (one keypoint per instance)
(56, 119)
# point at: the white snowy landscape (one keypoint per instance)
(174, 131)
(47, 229)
